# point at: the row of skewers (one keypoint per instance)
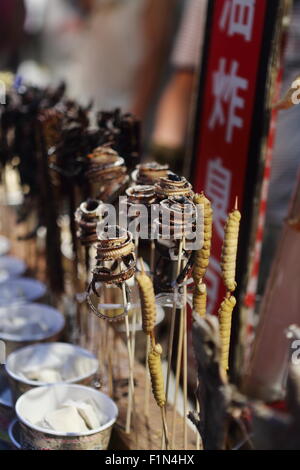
(197, 263)
(77, 166)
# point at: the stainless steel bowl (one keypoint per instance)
(7, 412)
(31, 408)
(38, 355)
(52, 320)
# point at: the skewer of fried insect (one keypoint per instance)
(131, 398)
(181, 357)
(200, 266)
(137, 195)
(199, 301)
(115, 264)
(173, 318)
(87, 216)
(154, 357)
(228, 266)
(131, 336)
(148, 342)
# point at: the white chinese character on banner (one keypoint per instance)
(213, 284)
(238, 17)
(225, 90)
(217, 189)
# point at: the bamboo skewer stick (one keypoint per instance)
(131, 365)
(132, 347)
(147, 375)
(132, 341)
(177, 378)
(155, 352)
(152, 257)
(228, 265)
(147, 380)
(172, 327)
(197, 432)
(110, 374)
(165, 434)
(185, 368)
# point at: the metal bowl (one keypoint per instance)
(14, 434)
(31, 408)
(46, 356)
(7, 412)
(11, 267)
(52, 320)
(21, 290)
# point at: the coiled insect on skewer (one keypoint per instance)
(149, 173)
(173, 186)
(176, 222)
(115, 264)
(106, 172)
(87, 218)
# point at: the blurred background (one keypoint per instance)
(141, 56)
(114, 53)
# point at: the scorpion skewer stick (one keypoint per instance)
(175, 194)
(183, 213)
(185, 400)
(115, 265)
(133, 337)
(178, 369)
(137, 195)
(173, 318)
(131, 366)
(86, 219)
(177, 378)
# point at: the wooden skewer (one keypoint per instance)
(87, 262)
(172, 327)
(177, 378)
(185, 404)
(147, 375)
(110, 374)
(130, 363)
(163, 433)
(133, 334)
(147, 380)
(136, 242)
(165, 440)
(197, 432)
(142, 265)
(152, 257)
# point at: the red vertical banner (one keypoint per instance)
(231, 116)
